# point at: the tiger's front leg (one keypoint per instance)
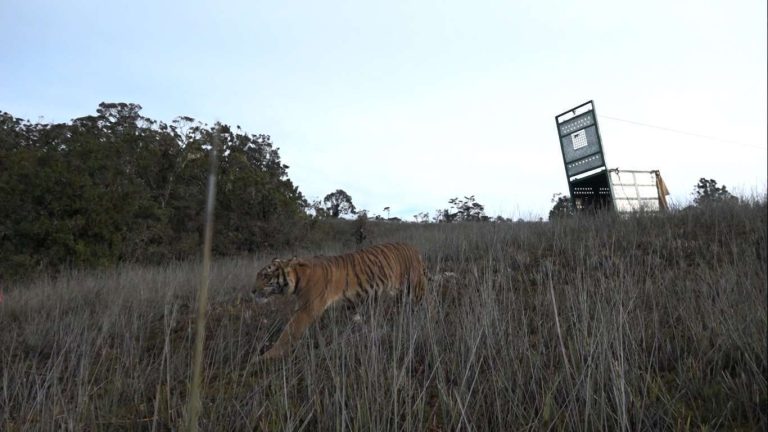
(292, 332)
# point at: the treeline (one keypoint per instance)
(121, 187)
(118, 186)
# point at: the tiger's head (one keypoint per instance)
(278, 277)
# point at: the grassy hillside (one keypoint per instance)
(644, 323)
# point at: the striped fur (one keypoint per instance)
(323, 281)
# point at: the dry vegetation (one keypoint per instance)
(646, 323)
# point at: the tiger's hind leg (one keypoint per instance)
(419, 288)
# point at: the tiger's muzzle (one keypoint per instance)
(263, 294)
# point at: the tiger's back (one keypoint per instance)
(381, 269)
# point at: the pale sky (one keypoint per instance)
(407, 104)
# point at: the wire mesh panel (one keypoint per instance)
(591, 184)
(635, 190)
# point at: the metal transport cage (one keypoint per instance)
(592, 185)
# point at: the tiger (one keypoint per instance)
(323, 281)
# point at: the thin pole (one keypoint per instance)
(195, 404)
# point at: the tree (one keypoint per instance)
(563, 207)
(444, 216)
(316, 209)
(421, 217)
(338, 203)
(360, 234)
(706, 192)
(467, 209)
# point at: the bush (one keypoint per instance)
(118, 186)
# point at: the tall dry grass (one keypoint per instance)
(646, 323)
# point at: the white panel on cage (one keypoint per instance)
(579, 139)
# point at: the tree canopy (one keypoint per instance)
(462, 210)
(120, 186)
(338, 203)
(707, 192)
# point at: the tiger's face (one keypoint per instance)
(278, 277)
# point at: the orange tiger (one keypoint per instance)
(322, 281)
